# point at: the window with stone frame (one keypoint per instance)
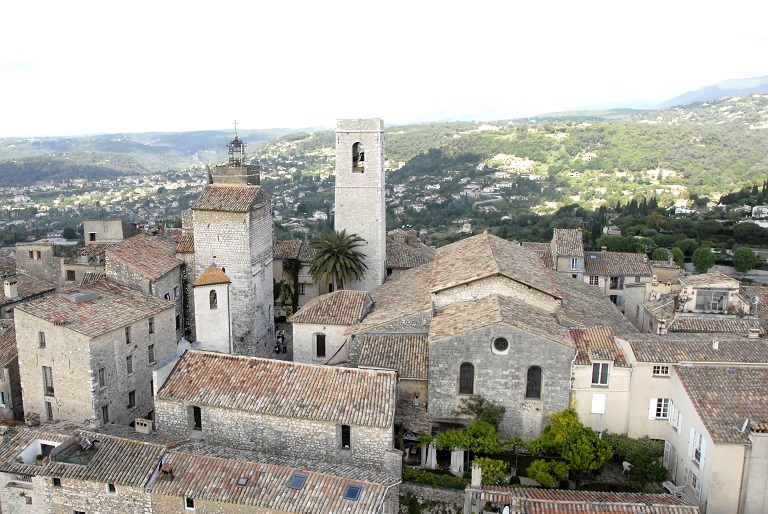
(466, 378)
(151, 353)
(533, 383)
(151, 325)
(70, 275)
(129, 364)
(127, 335)
(41, 339)
(189, 503)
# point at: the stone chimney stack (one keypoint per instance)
(10, 288)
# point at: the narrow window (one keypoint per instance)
(178, 322)
(127, 335)
(466, 378)
(175, 292)
(129, 365)
(31, 255)
(212, 300)
(151, 325)
(48, 380)
(167, 296)
(346, 436)
(533, 383)
(105, 414)
(600, 373)
(91, 236)
(330, 287)
(151, 353)
(41, 339)
(102, 377)
(2, 399)
(189, 503)
(358, 158)
(49, 410)
(131, 399)
(111, 489)
(302, 288)
(198, 418)
(319, 345)
(39, 255)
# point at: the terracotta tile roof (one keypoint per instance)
(20, 440)
(584, 305)
(343, 307)
(663, 308)
(306, 253)
(286, 249)
(89, 277)
(186, 244)
(597, 343)
(116, 460)
(27, 287)
(709, 280)
(8, 350)
(401, 255)
(712, 325)
(283, 389)
(402, 296)
(568, 242)
(616, 264)
(116, 306)
(150, 256)
(460, 318)
(671, 349)
(7, 263)
(406, 353)
(212, 275)
(724, 396)
(216, 479)
(747, 293)
(544, 250)
(664, 264)
(486, 255)
(230, 198)
(551, 501)
(92, 255)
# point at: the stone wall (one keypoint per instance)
(19, 497)
(214, 324)
(502, 377)
(43, 264)
(92, 496)
(304, 348)
(371, 447)
(432, 500)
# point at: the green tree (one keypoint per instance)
(744, 259)
(703, 259)
(679, 256)
(337, 258)
(494, 471)
(292, 268)
(660, 254)
(546, 472)
(479, 437)
(478, 408)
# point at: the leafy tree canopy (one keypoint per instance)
(703, 259)
(479, 408)
(337, 257)
(744, 259)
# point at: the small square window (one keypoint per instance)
(28, 500)
(353, 492)
(71, 275)
(297, 480)
(242, 481)
(111, 489)
(56, 482)
(91, 236)
(31, 254)
(189, 503)
(661, 371)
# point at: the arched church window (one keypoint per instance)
(466, 378)
(358, 158)
(213, 299)
(533, 383)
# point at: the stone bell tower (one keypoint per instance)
(360, 193)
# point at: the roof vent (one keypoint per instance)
(80, 296)
(753, 333)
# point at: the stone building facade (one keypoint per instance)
(88, 354)
(360, 193)
(11, 404)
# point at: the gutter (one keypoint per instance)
(386, 492)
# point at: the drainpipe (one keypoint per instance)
(740, 507)
(386, 491)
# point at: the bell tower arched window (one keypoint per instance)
(358, 158)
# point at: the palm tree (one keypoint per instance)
(337, 258)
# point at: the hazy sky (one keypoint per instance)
(88, 67)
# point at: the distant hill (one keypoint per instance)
(731, 87)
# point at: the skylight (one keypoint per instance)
(353, 492)
(297, 480)
(730, 371)
(242, 481)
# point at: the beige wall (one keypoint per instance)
(617, 398)
(304, 343)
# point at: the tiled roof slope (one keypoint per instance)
(153, 257)
(20, 440)
(485, 255)
(668, 349)
(7, 263)
(760, 310)
(116, 460)
(460, 318)
(616, 264)
(283, 389)
(403, 295)
(212, 275)
(584, 305)
(406, 353)
(230, 198)
(117, 306)
(712, 324)
(597, 343)
(306, 253)
(343, 307)
(709, 280)
(550, 501)
(186, 244)
(216, 479)
(663, 308)
(725, 399)
(8, 350)
(27, 287)
(544, 250)
(568, 242)
(401, 255)
(286, 249)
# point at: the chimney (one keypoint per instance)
(662, 327)
(10, 288)
(477, 476)
(753, 333)
(715, 345)
(603, 248)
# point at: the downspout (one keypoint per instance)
(740, 507)
(229, 321)
(386, 491)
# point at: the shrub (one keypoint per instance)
(422, 477)
(494, 471)
(546, 472)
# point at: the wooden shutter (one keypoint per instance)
(652, 408)
(691, 442)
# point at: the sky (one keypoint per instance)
(83, 67)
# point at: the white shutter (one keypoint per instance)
(679, 426)
(652, 408)
(665, 460)
(691, 442)
(671, 419)
(703, 451)
(685, 476)
(598, 404)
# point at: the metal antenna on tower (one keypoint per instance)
(235, 129)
